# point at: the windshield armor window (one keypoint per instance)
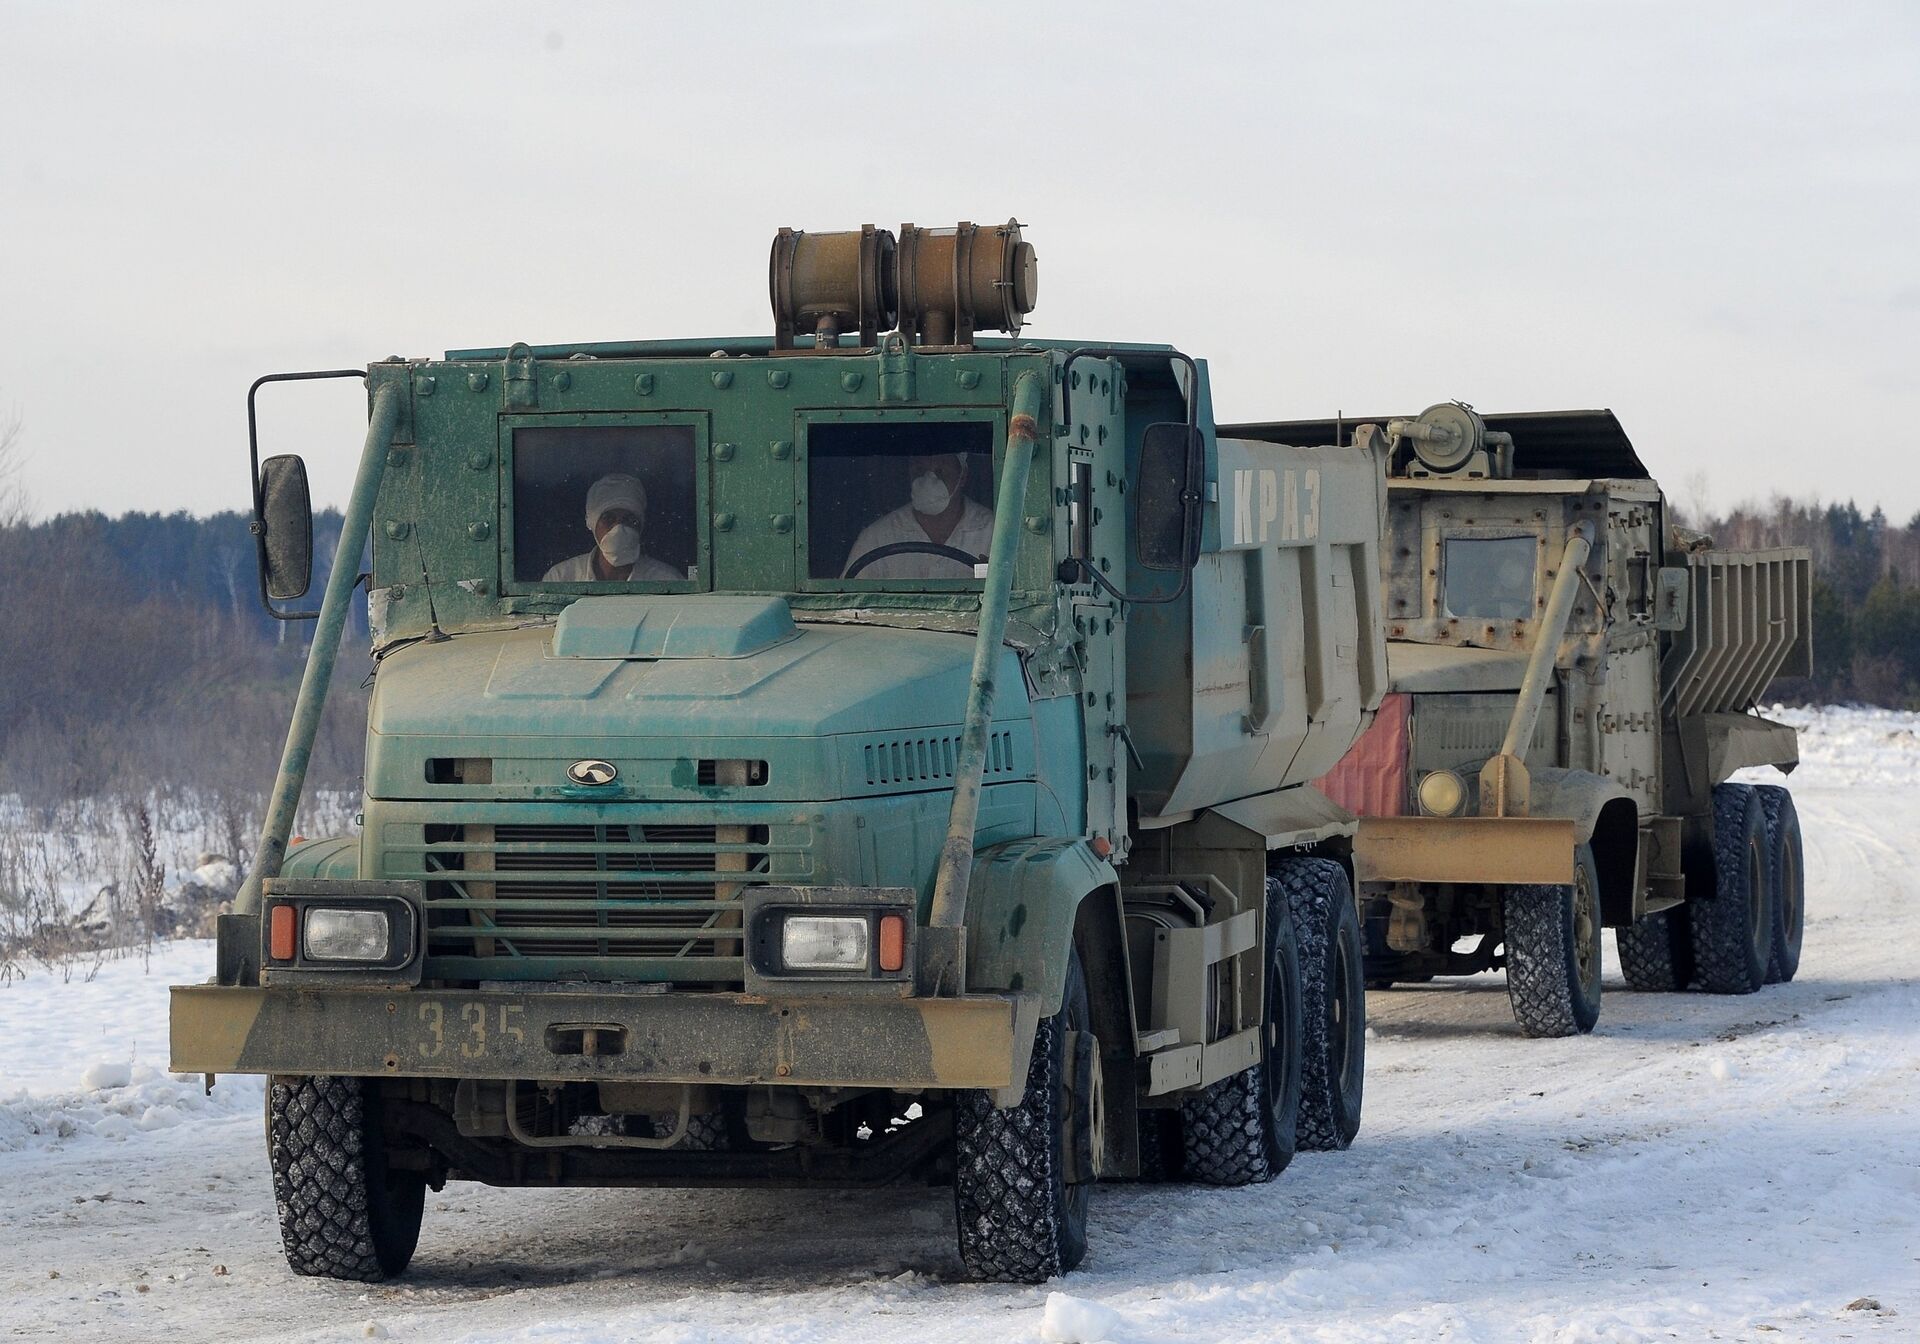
(605, 504)
(901, 500)
(1490, 577)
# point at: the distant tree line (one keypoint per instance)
(135, 655)
(1866, 594)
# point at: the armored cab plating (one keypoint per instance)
(876, 752)
(1572, 688)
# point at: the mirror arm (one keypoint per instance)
(382, 418)
(258, 527)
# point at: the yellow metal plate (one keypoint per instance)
(1464, 849)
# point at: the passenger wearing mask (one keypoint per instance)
(616, 515)
(939, 512)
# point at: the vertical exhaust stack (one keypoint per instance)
(827, 283)
(955, 282)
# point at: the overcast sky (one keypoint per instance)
(1706, 217)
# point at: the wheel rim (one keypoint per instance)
(1279, 1030)
(1586, 931)
(1760, 929)
(1339, 1009)
(1790, 892)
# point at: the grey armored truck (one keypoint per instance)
(1573, 682)
(876, 752)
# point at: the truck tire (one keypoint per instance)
(1019, 1218)
(1733, 928)
(1656, 951)
(1333, 1001)
(1241, 1130)
(343, 1213)
(1787, 873)
(1161, 1158)
(1553, 952)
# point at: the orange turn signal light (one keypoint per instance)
(280, 933)
(893, 942)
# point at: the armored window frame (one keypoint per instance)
(697, 422)
(805, 421)
(1451, 536)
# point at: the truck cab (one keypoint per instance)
(1573, 683)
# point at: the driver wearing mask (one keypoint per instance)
(616, 515)
(939, 513)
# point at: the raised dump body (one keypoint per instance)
(817, 759)
(1572, 687)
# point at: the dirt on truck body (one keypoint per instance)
(1573, 682)
(878, 752)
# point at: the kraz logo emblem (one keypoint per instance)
(592, 772)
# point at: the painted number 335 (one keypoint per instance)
(468, 1029)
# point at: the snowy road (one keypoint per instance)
(1699, 1168)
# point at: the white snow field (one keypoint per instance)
(1698, 1169)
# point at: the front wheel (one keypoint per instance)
(344, 1214)
(1023, 1176)
(1553, 952)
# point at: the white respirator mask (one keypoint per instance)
(621, 545)
(930, 494)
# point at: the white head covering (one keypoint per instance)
(616, 491)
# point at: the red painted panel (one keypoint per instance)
(1371, 779)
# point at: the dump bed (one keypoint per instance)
(1749, 620)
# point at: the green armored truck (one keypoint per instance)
(1572, 687)
(872, 753)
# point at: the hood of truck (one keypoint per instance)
(836, 710)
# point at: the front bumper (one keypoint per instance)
(1496, 850)
(975, 1041)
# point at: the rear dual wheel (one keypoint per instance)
(1786, 869)
(1333, 1001)
(1732, 930)
(1242, 1130)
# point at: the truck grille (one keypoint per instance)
(651, 901)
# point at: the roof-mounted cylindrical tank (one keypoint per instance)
(827, 283)
(1450, 440)
(955, 282)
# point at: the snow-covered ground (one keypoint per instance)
(1700, 1168)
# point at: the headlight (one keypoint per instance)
(1442, 794)
(824, 943)
(346, 935)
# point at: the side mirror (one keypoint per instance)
(1166, 497)
(1670, 593)
(285, 528)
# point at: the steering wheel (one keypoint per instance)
(866, 558)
